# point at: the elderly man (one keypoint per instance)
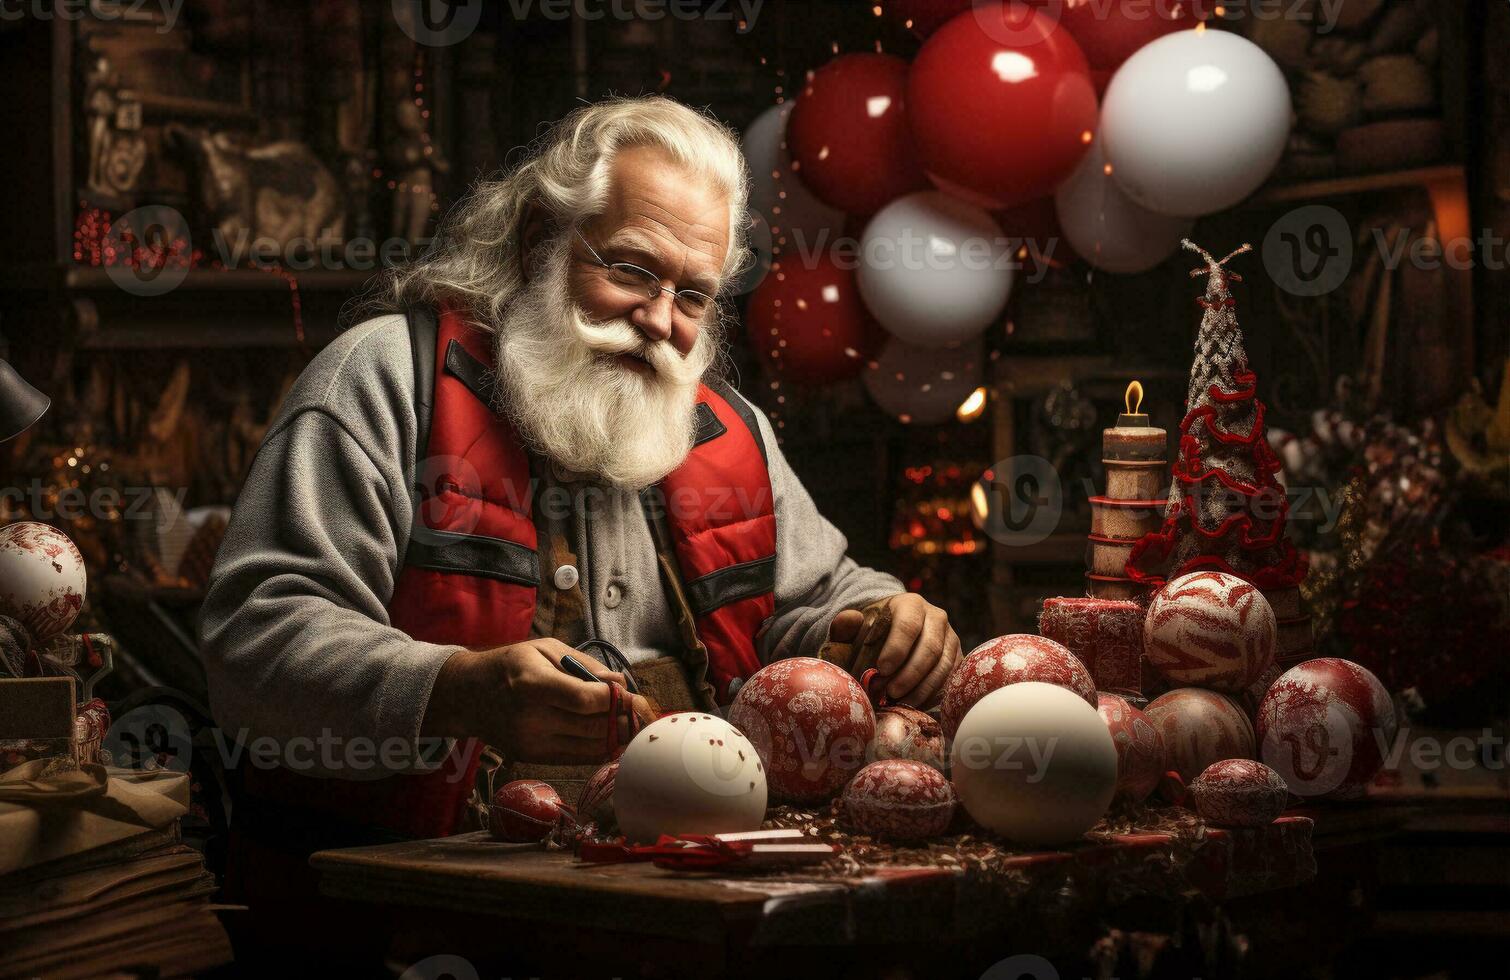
(531, 457)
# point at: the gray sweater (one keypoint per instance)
(294, 629)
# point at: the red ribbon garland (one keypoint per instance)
(1156, 546)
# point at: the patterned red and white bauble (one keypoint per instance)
(42, 580)
(524, 811)
(1325, 726)
(1200, 727)
(904, 732)
(1210, 629)
(688, 773)
(596, 801)
(1012, 659)
(1140, 748)
(1239, 793)
(1034, 763)
(811, 723)
(899, 800)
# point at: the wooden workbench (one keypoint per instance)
(486, 899)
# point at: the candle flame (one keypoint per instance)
(1134, 390)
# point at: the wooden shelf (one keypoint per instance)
(1361, 184)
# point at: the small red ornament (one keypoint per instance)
(1239, 793)
(811, 723)
(1210, 629)
(524, 811)
(1200, 727)
(596, 802)
(1324, 726)
(1105, 634)
(808, 324)
(1140, 748)
(904, 732)
(1000, 100)
(899, 800)
(1011, 659)
(848, 134)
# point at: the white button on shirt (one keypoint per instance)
(566, 577)
(613, 596)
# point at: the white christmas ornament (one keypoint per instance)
(1195, 121)
(1109, 229)
(42, 578)
(1034, 763)
(924, 385)
(934, 270)
(689, 773)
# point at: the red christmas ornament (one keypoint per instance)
(1001, 102)
(1007, 660)
(848, 134)
(1200, 727)
(1324, 726)
(1140, 748)
(596, 801)
(524, 811)
(1210, 629)
(810, 721)
(904, 732)
(899, 800)
(808, 324)
(1239, 793)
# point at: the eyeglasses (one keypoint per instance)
(691, 302)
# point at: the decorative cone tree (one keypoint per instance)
(1226, 510)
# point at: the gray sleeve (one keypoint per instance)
(815, 578)
(294, 629)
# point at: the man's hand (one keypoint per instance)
(919, 650)
(518, 699)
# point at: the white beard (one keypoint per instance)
(564, 388)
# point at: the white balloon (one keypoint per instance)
(934, 270)
(799, 218)
(925, 385)
(1195, 121)
(1107, 228)
(1034, 763)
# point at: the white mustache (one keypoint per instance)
(620, 337)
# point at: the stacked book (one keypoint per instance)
(139, 906)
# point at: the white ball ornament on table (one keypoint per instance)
(688, 773)
(934, 270)
(924, 385)
(42, 578)
(1107, 228)
(800, 211)
(1195, 122)
(1035, 763)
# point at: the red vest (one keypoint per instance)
(471, 569)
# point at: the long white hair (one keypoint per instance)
(473, 265)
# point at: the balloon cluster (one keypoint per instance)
(901, 197)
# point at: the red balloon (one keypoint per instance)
(848, 134)
(1001, 105)
(1109, 31)
(807, 322)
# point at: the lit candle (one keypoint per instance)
(1133, 439)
